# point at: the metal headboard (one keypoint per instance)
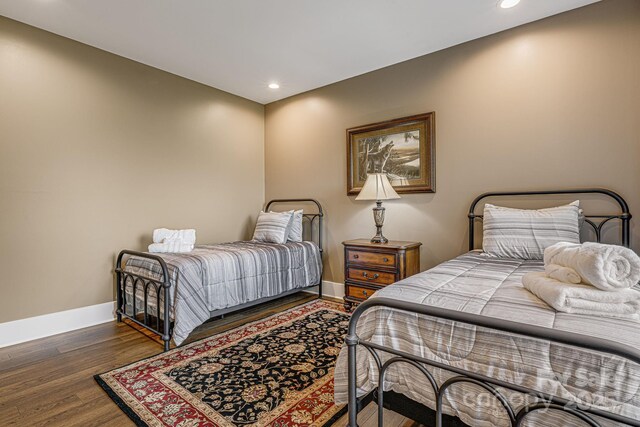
(624, 216)
(310, 216)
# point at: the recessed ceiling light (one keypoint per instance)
(506, 4)
(274, 86)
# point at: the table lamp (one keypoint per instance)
(377, 187)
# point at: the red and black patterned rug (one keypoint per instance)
(274, 372)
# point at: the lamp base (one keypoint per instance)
(379, 238)
(378, 216)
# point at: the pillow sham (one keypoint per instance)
(525, 233)
(273, 227)
(295, 232)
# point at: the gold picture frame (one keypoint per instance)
(402, 148)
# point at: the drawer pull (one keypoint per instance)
(366, 276)
(365, 293)
(356, 256)
(385, 259)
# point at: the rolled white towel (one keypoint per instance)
(583, 299)
(171, 246)
(562, 274)
(187, 236)
(607, 267)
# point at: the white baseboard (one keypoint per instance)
(32, 328)
(19, 331)
(330, 289)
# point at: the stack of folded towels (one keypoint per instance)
(176, 241)
(589, 278)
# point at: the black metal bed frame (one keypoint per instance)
(160, 324)
(624, 215)
(489, 384)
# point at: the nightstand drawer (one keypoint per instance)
(358, 292)
(370, 276)
(361, 257)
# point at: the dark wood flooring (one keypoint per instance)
(49, 382)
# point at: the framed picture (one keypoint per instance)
(402, 148)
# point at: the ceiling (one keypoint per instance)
(240, 46)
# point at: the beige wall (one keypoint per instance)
(555, 103)
(95, 152)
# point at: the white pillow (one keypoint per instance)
(273, 227)
(524, 233)
(295, 232)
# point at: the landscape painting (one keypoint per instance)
(401, 148)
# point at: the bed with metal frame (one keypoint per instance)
(428, 416)
(159, 321)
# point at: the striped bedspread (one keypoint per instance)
(477, 283)
(214, 277)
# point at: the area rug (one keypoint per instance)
(273, 372)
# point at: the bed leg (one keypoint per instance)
(439, 397)
(166, 336)
(320, 290)
(352, 342)
(119, 298)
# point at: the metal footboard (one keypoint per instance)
(544, 401)
(161, 288)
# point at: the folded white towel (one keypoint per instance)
(562, 274)
(607, 267)
(583, 299)
(187, 236)
(171, 246)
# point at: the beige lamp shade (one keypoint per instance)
(377, 187)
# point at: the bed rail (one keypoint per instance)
(624, 216)
(544, 400)
(160, 286)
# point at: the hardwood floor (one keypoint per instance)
(50, 381)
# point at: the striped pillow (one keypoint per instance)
(295, 232)
(273, 227)
(524, 234)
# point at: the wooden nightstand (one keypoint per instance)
(371, 266)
